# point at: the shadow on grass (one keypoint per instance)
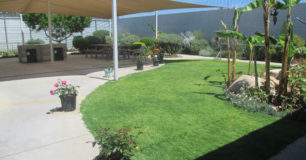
(260, 144)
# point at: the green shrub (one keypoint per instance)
(128, 39)
(108, 40)
(148, 41)
(208, 52)
(10, 53)
(118, 145)
(35, 41)
(170, 43)
(100, 33)
(197, 45)
(137, 45)
(298, 41)
(95, 40)
(198, 35)
(80, 43)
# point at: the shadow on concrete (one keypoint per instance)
(260, 144)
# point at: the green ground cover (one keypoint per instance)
(183, 113)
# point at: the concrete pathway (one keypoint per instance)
(27, 132)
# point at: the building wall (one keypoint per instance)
(208, 22)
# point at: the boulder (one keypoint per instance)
(275, 73)
(245, 80)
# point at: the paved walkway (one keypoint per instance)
(27, 132)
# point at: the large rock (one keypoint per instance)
(249, 81)
(275, 73)
(244, 80)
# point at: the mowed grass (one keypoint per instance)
(183, 113)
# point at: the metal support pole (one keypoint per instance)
(96, 25)
(110, 28)
(5, 30)
(156, 24)
(50, 32)
(21, 28)
(115, 41)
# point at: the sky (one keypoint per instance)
(218, 3)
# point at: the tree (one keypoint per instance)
(63, 26)
(267, 5)
(286, 39)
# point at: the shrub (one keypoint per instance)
(148, 41)
(100, 33)
(80, 43)
(115, 145)
(170, 43)
(208, 51)
(298, 41)
(108, 40)
(128, 39)
(137, 45)
(197, 45)
(35, 41)
(10, 53)
(198, 35)
(95, 40)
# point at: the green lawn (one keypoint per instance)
(184, 116)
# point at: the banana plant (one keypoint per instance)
(235, 27)
(228, 54)
(267, 5)
(286, 40)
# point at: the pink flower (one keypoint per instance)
(156, 49)
(56, 85)
(64, 82)
(250, 99)
(155, 56)
(274, 108)
(149, 56)
(52, 92)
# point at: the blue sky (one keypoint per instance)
(219, 3)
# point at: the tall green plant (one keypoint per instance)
(267, 5)
(286, 39)
(223, 34)
(235, 27)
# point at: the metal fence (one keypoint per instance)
(11, 35)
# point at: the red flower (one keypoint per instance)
(156, 49)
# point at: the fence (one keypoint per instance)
(11, 36)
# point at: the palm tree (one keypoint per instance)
(286, 38)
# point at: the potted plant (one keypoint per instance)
(155, 58)
(109, 70)
(67, 94)
(140, 61)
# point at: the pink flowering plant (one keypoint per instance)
(243, 99)
(62, 88)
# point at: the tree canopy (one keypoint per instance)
(63, 26)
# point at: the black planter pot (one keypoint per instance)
(68, 102)
(155, 63)
(139, 66)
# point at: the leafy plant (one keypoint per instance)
(198, 35)
(95, 40)
(148, 41)
(80, 43)
(128, 39)
(170, 43)
(117, 145)
(197, 45)
(35, 41)
(100, 33)
(63, 26)
(64, 89)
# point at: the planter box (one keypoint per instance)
(68, 102)
(40, 53)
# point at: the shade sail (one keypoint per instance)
(91, 8)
